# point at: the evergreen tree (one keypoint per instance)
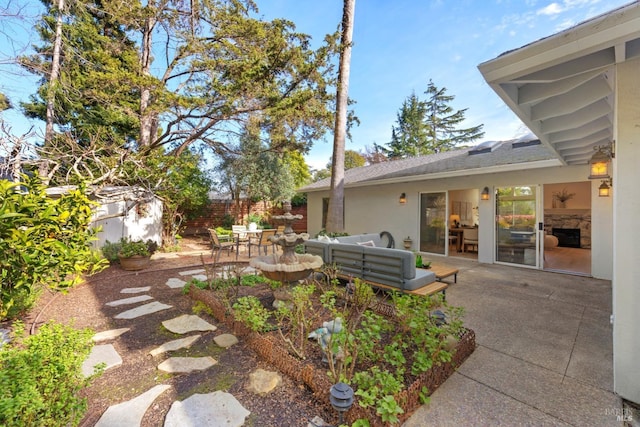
(409, 135)
(442, 122)
(429, 126)
(92, 96)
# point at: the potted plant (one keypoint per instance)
(135, 254)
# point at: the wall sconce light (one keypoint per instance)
(605, 188)
(403, 198)
(485, 194)
(599, 163)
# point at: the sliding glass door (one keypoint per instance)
(516, 235)
(433, 225)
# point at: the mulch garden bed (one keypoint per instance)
(313, 373)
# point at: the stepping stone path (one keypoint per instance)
(109, 335)
(143, 310)
(188, 323)
(187, 364)
(104, 353)
(132, 300)
(213, 409)
(135, 290)
(175, 345)
(130, 413)
(175, 283)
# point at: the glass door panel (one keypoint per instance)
(516, 236)
(433, 211)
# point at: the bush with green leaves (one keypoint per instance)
(252, 313)
(43, 242)
(41, 377)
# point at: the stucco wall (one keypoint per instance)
(374, 209)
(626, 267)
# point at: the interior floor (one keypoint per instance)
(569, 260)
(572, 260)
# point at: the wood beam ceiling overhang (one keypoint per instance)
(562, 87)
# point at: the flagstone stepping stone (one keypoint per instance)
(175, 283)
(143, 310)
(212, 409)
(191, 272)
(186, 364)
(109, 335)
(188, 323)
(201, 277)
(263, 382)
(130, 413)
(131, 300)
(135, 290)
(225, 340)
(103, 353)
(175, 345)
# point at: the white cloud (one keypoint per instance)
(552, 9)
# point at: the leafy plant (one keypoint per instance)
(129, 248)
(41, 377)
(43, 242)
(418, 261)
(250, 310)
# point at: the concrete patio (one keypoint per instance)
(544, 351)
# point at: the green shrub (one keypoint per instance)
(110, 251)
(41, 376)
(227, 221)
(43, 242)
(252, 313)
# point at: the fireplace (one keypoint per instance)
(567, 237)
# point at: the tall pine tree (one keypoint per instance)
(442, 122)
(428, 126)
(409, 135)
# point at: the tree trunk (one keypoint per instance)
(51, 92)
(335, 217)
(147, 118)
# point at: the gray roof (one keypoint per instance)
(524, 153)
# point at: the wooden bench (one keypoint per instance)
(442, 271)
(430, 289)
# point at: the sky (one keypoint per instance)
(399, 45)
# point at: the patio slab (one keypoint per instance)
(554, 394)
(544, 354)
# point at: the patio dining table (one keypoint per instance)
(248, 233)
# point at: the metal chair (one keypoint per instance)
(217, 246)
(263, 242)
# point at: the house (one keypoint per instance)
(578, 91)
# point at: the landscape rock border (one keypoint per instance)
(317, 379)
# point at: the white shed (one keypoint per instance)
(132, 212)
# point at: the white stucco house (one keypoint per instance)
(577, 91)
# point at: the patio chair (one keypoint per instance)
(240, 235)
(280, 230)
(263, 242)
(217, 246)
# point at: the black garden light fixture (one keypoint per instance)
(341, 398)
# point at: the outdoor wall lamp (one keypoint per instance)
(403, 198)
(341, 398)
(599, 163)
(605, 188)
(485, 194)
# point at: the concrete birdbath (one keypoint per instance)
(289, 267)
